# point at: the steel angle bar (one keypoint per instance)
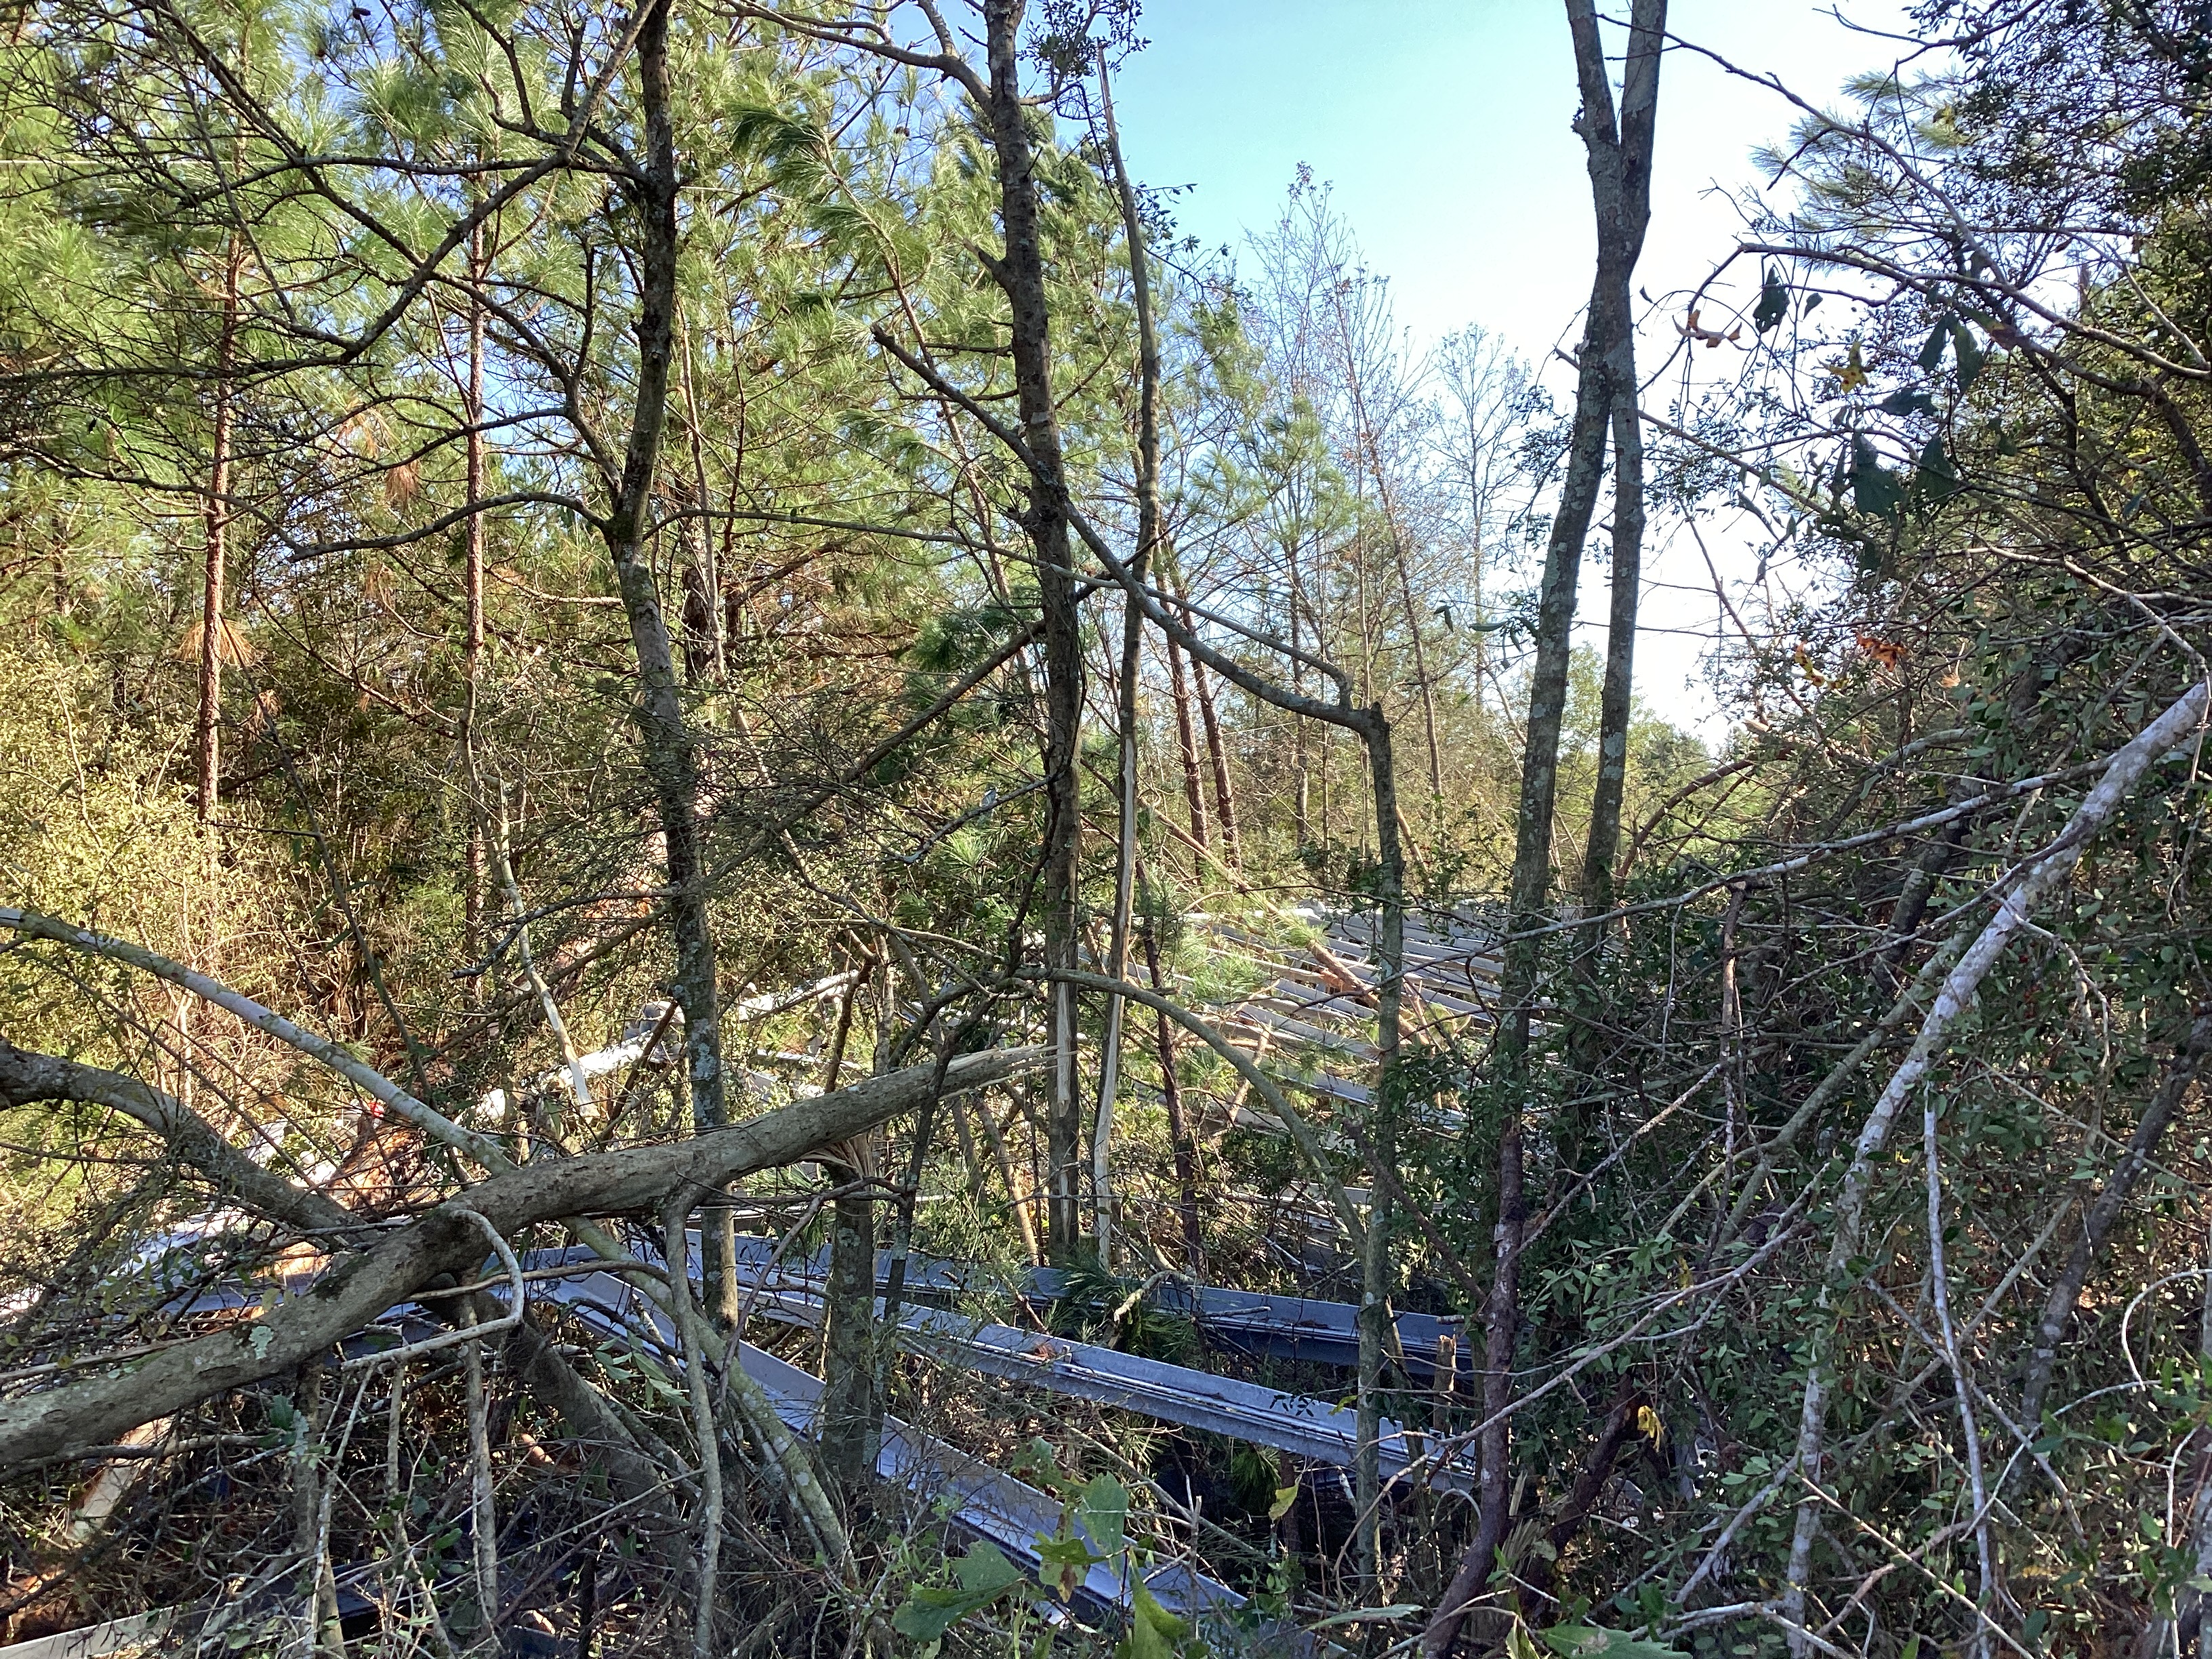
(1189, 1398)
(136, 1634)
(1296, 1423)
(990, 1505)
(1284, 1324)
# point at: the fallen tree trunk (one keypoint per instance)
(2019, 896)
(26, 1077)
(446, 1244)
(638, 1473)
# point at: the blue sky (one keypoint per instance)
(1444, 128)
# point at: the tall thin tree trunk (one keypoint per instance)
(213, 627)
(472, 642)
(312, 1489)
(483, 1512)
(1474, 566)
(1132, 639)
(1194, 792)
(1615, 702)
(1186, 1153)
(1020, 273)
(1379, 1273)
(671, 763)
(849, 1361)
(1217, 753)
(1619, 163)
(714, 642)
(1301, 783)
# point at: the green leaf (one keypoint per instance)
(929, 1611)
(985, 1567)
(1937, 476)
(1105, 1513)
(1595, 1642)
(1875, 490)
(1368, 1615)
(1154, 1633)
(1037, 1461)
(1774, 303)
(1931, 351)
(1970, 354)
(1913, 401)
(1061, 1563)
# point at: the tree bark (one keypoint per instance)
(848, 1403)
(99, 1410)
(671, 762)
(1619, 165)
(473, 638)
(1617, 699)
(707, 649)
(1186, 1153)
(1217, 753)
(316, 1585)
(849, 1355)
(1494, 1488)
(1539, 1574)
(1194, 792)
(207, 732)
(1020, 273)
(1301, 780)
(1610, 151)
(2040, 877)
(1133, 639)
(1377, 1266)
